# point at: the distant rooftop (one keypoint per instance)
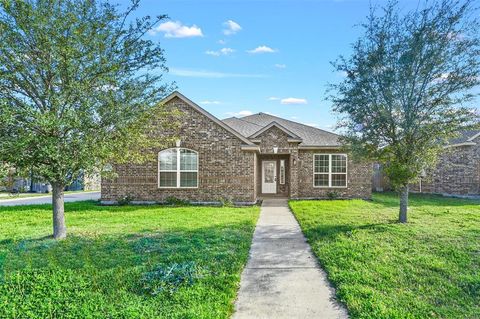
(465, 137)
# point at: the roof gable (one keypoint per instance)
(202, 111)
(311, 137)
(289, 133)
(465, 138)
(474, 137)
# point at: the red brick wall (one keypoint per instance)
(225, 171)
(359, 178)
(457, 173)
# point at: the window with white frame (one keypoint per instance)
(177, 168)
(330, 170)
(282, 172)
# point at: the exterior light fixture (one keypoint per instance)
(275, 150)
(177, 143)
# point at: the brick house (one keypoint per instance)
(241, 160)
(458, 169)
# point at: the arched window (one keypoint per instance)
(177, 168)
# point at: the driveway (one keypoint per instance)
(47, 199)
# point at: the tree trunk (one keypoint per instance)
(402, 218)
(59, 228)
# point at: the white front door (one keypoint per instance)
(269, 177)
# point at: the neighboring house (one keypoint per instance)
(84, 182)
(240, 160)
(457, 171)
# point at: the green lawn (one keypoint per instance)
(428, 268)
(123, 262)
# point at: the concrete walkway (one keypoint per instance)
(282, 278)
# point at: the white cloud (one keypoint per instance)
(175, 29)
(280, 66)
(442, 77)
(244, 113)
(231, 27)
(211, 74)
(294, 117)
(273, 98)
(269, 113)
(214, 53)
(227, 50)
(222, 51)
(311, 124)
(240, 113)
(330, 127)
(222, 42)
(207, 102)
(262, 49)
(293, 100)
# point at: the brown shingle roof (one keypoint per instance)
(465, 136)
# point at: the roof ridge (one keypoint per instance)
(316, 128)
(241, 119)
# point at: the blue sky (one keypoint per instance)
(240, 57)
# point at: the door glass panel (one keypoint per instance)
(269, 175)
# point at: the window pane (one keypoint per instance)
(339, 180)
(188, 179)
(339, 164)
(282, 172)
(320, 179)
(168, 179)
(321, 163)
(168, 160)
(188, 160)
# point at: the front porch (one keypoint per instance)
(273, 176)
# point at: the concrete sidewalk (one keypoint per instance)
(282, 278)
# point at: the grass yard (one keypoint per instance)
(123, 262)
(428, 268)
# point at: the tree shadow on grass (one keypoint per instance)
(77, 206)
(391, 199)
(333, 231)
(97, 269)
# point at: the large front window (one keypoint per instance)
(178, 168)
(330, 170)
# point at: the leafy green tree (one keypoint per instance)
(4, 170)
(79, 85)
(408, 86)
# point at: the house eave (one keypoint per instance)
(319, 147)
(473, 137)
(207, 114)
(253, 148)
(460, 144)
(290, 140)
